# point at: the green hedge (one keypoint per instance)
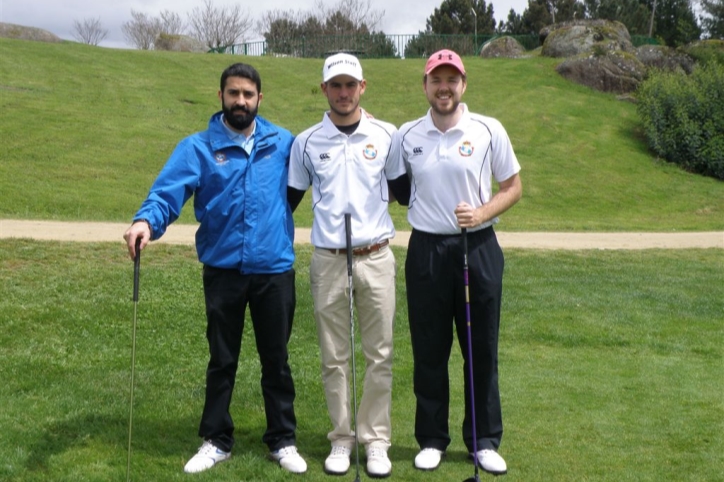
(683, 118)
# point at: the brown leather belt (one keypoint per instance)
(362, 251)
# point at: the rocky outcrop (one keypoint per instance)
(506, 47)
(578, 37)
(615, 71)
(664, 58)
(178, 43)
(10, 30)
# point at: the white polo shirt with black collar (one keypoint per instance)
(348, 174)
(447, 168)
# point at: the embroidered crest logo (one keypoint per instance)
(466, 149)
(220, 158)
(370, 152)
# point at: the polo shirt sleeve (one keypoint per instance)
(505, 163)
(394, 166)
(300, 176)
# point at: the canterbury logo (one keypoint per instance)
(417, 151)
(324, 157)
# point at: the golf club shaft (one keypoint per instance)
(466, 278)
(136, 276)
(348, 242)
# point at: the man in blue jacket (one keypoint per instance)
(237, 171)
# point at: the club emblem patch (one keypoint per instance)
(466, 149)
(220, 158)
(370, 152)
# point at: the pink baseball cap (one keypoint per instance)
(444, 57)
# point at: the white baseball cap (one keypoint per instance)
(341, 64)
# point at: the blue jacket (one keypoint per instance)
(240, 201)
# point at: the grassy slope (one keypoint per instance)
(85, 131)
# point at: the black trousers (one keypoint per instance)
(271, 300)
(436, 299)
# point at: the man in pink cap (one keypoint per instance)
(451, 156)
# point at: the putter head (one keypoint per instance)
(475, 478)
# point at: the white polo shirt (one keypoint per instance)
(348, 174)
(447, 168)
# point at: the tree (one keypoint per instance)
(457, 17)
(632, 13)
(712, 19)
(567, 10)
(89, 31)
(359, 13)
(171, 23)
(675, 22)
(536, 16)
(342, 27)
(219, 27)
(513, 25)
(141, 31)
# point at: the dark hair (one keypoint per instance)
(245, 71)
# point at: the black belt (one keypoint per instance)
(362, 251)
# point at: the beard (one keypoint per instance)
(448, 107)
(451, 108)
(239, 117)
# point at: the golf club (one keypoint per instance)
(466, 279)
(348, 233)
(136, 273)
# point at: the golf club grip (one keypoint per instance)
(136, 269)
(464, 232)
(348, 235)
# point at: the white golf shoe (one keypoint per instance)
(337, 463)
(491, 462)
(428, 459)
(289, 459)
(207, 456)
(378, 464)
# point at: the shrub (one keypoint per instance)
(683, 118)
(706, 51)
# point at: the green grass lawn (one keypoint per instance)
(611, 369)
(612, 362)
(85, 130)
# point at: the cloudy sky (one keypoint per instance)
(57, 16)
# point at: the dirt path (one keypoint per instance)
(184, 234)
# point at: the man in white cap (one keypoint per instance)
(451, 155)
(344, 159)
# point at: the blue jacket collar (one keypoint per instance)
(264, 135)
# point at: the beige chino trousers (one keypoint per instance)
(373, 278)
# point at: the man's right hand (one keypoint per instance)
(139, 229)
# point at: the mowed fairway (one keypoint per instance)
(611, 362)
(611, 369)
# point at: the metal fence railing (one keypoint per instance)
(368, 45)
(379, 45)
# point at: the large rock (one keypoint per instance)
(573, 38)
(506, 47)
(178, 43)
(10, 30)
(664, 58)
(616, 72)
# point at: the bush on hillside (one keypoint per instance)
(683, 118)
(706, 51)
